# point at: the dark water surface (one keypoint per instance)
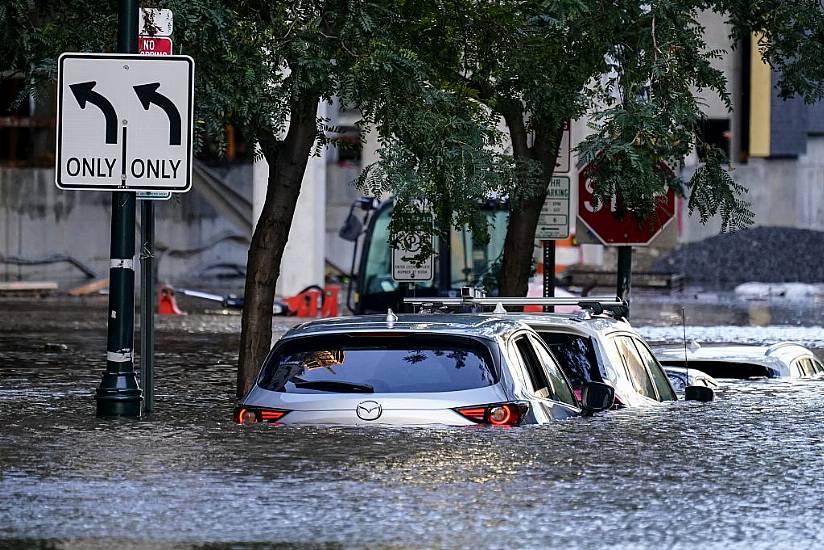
(742, 472)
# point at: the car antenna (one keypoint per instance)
(391, 318)
(686, 357)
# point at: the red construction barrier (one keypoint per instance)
(166, 304)
(330, 301)
(305, 304)
(314, 302)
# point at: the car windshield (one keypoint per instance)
(378, 364)
(724, 369)
(576, 356)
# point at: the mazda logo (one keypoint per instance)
(369, 410)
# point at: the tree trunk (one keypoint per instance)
(524, 212)
(287, 163)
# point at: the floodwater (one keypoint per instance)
(741, 472)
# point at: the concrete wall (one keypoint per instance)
(783, 192)
(38, 220)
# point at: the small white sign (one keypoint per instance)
(154, 195)
(562, 163)
(405, 268)
(124, 122)
(553, 224)
(155, 22)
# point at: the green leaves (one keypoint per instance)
(714, 191)
(438, 81)
(438, 154)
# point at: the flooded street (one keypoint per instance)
(741, 472)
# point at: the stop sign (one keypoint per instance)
(603, 221)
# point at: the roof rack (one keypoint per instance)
(470, 300)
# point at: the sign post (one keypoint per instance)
(118, 393)
(149, 45)
(553, 224)
(147, 303)
(623, 232)
(124, 125)
(623, 285)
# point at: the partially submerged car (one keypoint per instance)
(598, 348)
(451, 369)
(782, 360)
(681, 377)
(593, 344)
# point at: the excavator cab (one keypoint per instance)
(459, 262)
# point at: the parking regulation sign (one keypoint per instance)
(405, 265)
(553, 223)
(124, 122)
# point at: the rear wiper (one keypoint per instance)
(334, 386)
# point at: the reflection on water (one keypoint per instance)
(742, 471)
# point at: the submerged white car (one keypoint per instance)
(782, 360)
(599, 348)
(589, 344)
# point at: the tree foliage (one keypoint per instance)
(634, 67)
(439, 81)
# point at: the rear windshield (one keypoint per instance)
(408, 364)
(576, 356)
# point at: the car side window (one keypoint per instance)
(530, 361)
(796, 366)
(576, 356)
(659, 377)
(560, 387)
(819, 368)
(809, 368)
(635, 366)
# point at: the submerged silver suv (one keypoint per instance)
(453, 369)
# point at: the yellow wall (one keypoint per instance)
(760, 97)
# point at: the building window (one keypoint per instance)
(715, 132)
(26, 127)
(348, 145)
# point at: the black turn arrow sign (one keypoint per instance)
(148, 94)
(84, 93)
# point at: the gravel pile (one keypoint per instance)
(762, 254)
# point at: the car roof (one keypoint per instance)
(466, 324)
(595, 325)
(788, 351)
(783, 351)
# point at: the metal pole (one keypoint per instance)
(444, 262)
(118, 393)
(147, 303)
(624, 283)
(549, 272)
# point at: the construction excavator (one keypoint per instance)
(460, 261)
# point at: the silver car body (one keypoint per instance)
(497, 334)
(782, 360)
(604, 331)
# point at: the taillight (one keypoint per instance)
(496, 414)
(250, 416)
